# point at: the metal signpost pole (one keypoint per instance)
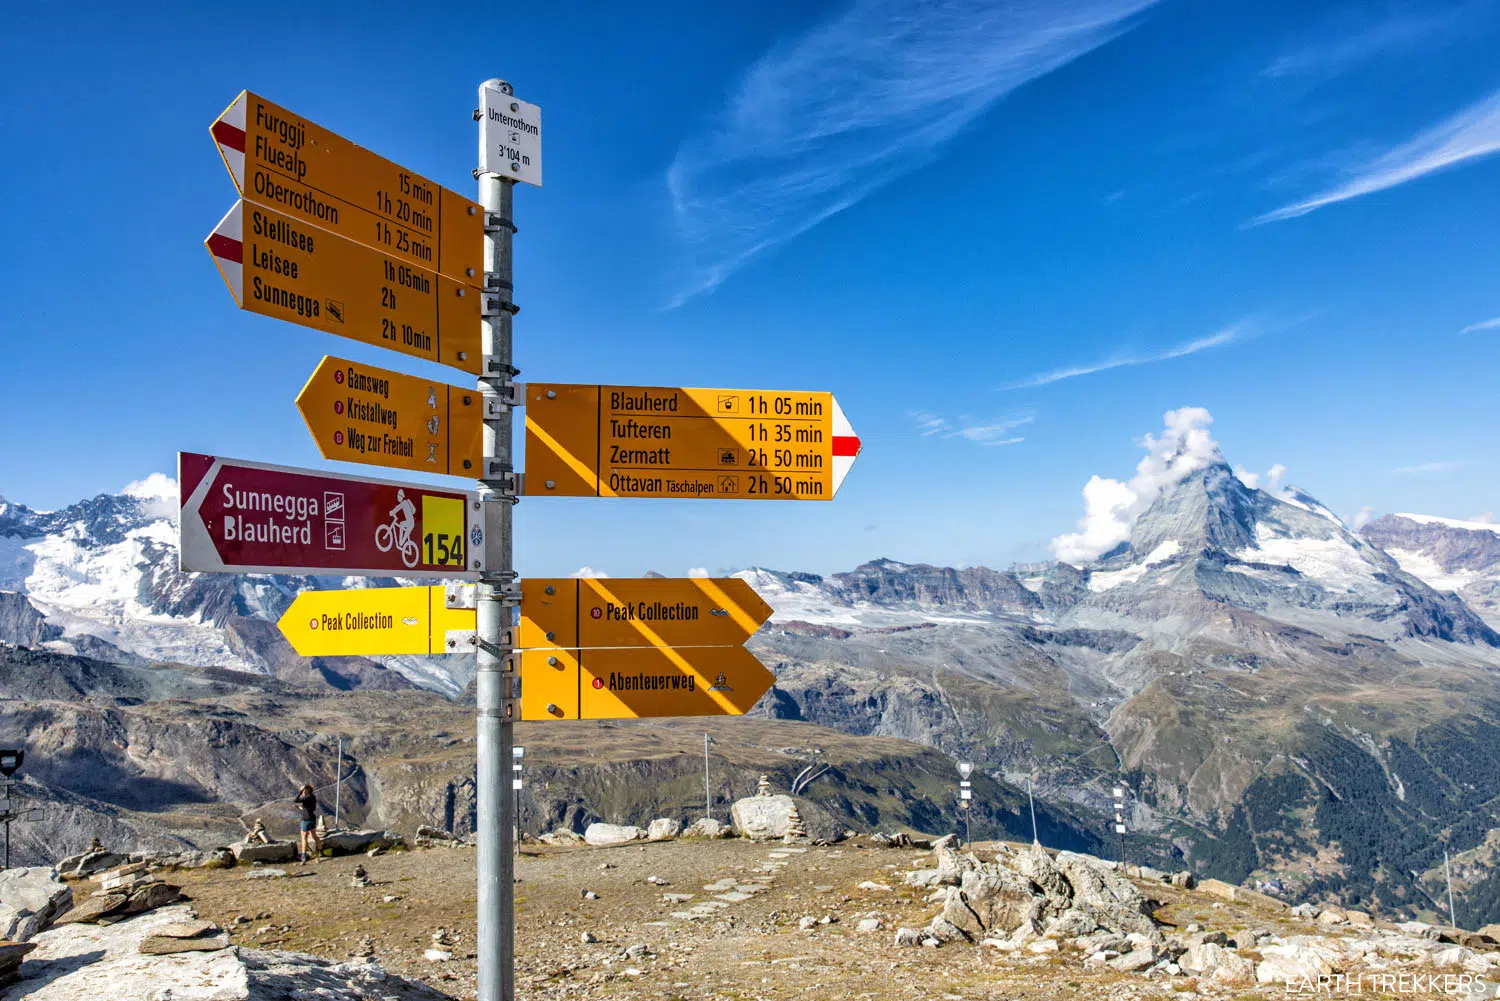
(494, 686)
(708, 803)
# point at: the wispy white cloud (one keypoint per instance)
(1363, 33)
(996, 432)
(818, 123)
(929, 423)
(1228, 335)
(1445, 466)
(988, 432)
(1474, 328)
(1471, 134)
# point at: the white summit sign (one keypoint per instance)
(510, 137)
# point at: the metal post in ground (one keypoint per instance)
(1447, 871)
(708, 803)
(518, 753)
(495, 680)
(1120, 821)
(338, 783)
(1032, 800)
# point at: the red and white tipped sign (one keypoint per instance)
(252, 517)
(846, 446)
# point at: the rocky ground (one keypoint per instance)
(735, 919)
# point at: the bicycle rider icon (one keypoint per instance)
(398, 532)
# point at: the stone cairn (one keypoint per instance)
(795, 831)
(763, 787)
(258, 835)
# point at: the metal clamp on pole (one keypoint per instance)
(494, 305)
(510, 394)
(492, 367)
(494, 222)
(508, 484)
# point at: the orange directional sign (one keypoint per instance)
(360, 413)
(639, 612)
(649, 441)
(627, 683)
(370, 622)
(282, 161)
(279, 266)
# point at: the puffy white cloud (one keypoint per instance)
(157, 494)
(588, 572)
(1274, 476)
(1249, 479)
(153, 486)
(698, 572)
(1486, 518)
(1111, 507)
(1364, 517)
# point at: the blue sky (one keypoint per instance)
(1009, 236)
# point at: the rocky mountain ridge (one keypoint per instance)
(1287, 699)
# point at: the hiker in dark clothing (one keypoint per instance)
(308, 844)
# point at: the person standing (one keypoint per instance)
(307, 802)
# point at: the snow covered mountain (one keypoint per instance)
(1449, 554)
(100, 578)
(1265, 679)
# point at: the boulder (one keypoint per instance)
(1071, 923)
(87, 863)
(166, 945)
(1491, 932)
(82, 962)
(908, 936)
(995, 899)
(1183, 880)
(1137, 959)
(762, 818)
(11, 955)
(274, 851)
(602, 835)
(355, 842)
(30, 899)
(707, 827)
(1115, 902)
(1219, 965)
(561, 836)
(93, 908)
(663, 828)
(1299, 959)
(149, 898)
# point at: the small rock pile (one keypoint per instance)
(1028, 900)
(123, 891)
(436, 837)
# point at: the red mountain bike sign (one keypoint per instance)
(250, 517)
